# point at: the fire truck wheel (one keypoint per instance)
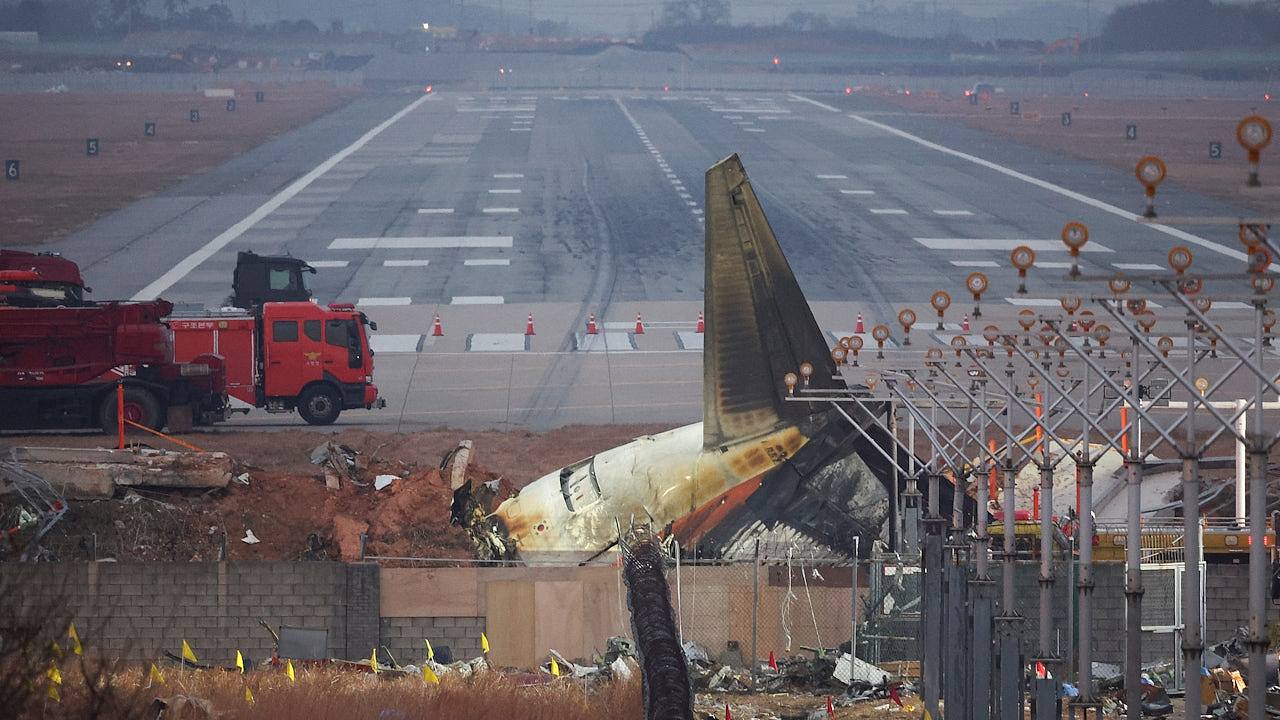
(319, 405)
(140, 406)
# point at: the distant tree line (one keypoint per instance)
(1185, 25)
(82, 19)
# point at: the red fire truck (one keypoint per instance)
(283, 353)
(60, 366)
(289, 355)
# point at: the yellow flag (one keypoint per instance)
(55, 677)
(484, 643)
(555, 667)
(239, 662)
(57, 650)
(373, 661)
(157, 677)
(187, 653)
(429, 675)
(927, 716)
(288, 671)
(54, 694)
(431, 653)
(75, 640)
(248, 695)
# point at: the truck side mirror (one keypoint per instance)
(373, 326)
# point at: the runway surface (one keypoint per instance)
(487, 207)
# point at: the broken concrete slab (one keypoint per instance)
(91, 473)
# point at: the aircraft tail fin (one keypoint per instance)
(758, 323)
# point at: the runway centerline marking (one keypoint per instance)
(857, 192)
(1042, 184)
(1140, 266)
(500, 210)
(504, 191)
(209, 249)
(953, 213)
(508, 176)
(832, 177)
(887, 211)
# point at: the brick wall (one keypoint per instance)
(404, 636)
(138, 610)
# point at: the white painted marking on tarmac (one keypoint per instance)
(832, 177)
(1053, 265)
(753, 129)
(887, 211)
(1228, 305)
(688, 340)
(476, 300)
(395, 343)
(504, 191)
(1043, 184)
(435, 211)
(857, 192)
(375, 301)
(976, 263)
(559, 97)
(1137, 266)
(328, 263)
(508, 176)
(1033, 302)
(1003, 244)
(500, 210)
(604, 342)
(481, 262)
(521, 129)
(405, 263)
(953, 213)
(491, 108)
(497, 342)
(408, 243)
(209, 249)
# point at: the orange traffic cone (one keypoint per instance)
(859, 328)
(702, 325)
(437, 330)
(591, 325)
(528, 326)
(965, 325)
(639, 325)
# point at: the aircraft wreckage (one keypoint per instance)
(757, 463)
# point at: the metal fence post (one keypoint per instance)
(755, 612)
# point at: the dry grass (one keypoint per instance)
(330, 694)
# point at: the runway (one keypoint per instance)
(488, 207)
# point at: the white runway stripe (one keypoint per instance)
(405, 263)
(857, 192)
(476, 300)
(435, 211)
(480, 262)
(405, 243)
(328, 263)
(887, 211)
(1137, 266)
(832, 177)
(504, 191)
(506, 176)
(1003, 244)
(976, 263)
(500, 210)
(376, 301)
(953, 213)
(209, 249)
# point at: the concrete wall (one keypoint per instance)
(139, 610)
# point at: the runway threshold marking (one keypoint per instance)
(1042, 184)
(190, 262)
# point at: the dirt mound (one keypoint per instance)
(292, 512)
